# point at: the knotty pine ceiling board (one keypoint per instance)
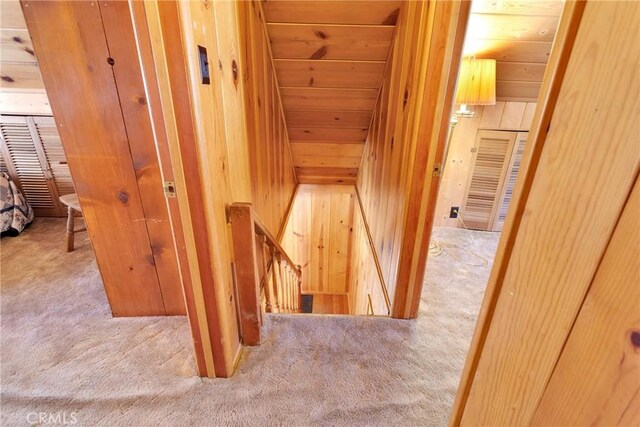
(330, 58)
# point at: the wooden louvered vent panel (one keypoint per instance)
(489, 165)
(512, 174)
(29, 147)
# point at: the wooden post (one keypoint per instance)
(248, 282)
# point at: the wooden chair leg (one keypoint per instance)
(70, 227)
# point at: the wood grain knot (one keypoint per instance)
(320, 53)
(392, 18)
(635, 339)
(234, 72)
(7, 79)
(123, 196)
(111, 61)
(17, 39)
(142, 100)
(321, 34)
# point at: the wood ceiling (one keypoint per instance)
(518, 34)
(329, 57)
(21, 87)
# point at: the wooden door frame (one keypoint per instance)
(437, 73)
(549, 91)
(158, 33)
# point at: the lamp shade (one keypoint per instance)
(477, 82)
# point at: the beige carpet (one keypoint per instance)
(64, 356)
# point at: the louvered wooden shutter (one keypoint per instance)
(27, 164)
(486, 179)
(54, 153)
(510, 183)
(3, 164)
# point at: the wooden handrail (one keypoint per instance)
(374, 253)
(263, 270)
(271, 240)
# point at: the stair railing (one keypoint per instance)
(266, 278)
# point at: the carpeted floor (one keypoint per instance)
(63, 356)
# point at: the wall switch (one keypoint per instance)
(204, 65)
(453, 213)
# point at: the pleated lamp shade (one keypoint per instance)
(477, 82)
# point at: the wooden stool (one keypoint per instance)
(72, 203)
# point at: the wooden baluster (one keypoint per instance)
(296, 302)
(275, 267)
(285, 285)
(294, 290)
(265, 276)
(290, 288)
(282, 289)
(299, 288)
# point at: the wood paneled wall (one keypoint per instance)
(557, 339)
(318, 236)
(502, 116)
(406, 139)
(273, 179)
(103, 121)
(21, 87)
(368, 294)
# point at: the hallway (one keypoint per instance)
(62, 351)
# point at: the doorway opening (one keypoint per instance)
(505, 58)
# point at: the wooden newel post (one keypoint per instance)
(247, 277)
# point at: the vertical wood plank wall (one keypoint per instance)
(367, 292)
(273, 178)
(406, 137)
(118, 29)
(547, 323)
(456, 170)
(115, 175)
(318, 236)
(604, 341)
